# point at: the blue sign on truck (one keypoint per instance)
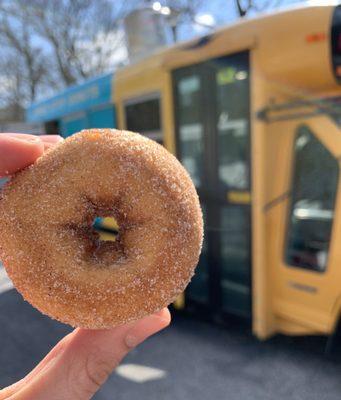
(86, 105)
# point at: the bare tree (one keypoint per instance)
(68, 28)
(185, 12)
(177, 12)
(48, 44)
(23, 67)
(13, 91)
(244, 7)
(30, 60)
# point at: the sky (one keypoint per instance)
(224, 12)
(218, 12)
(211, 12)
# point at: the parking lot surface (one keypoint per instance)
(191, 360)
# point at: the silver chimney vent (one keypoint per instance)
(146, 32)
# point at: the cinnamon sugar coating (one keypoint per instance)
(55, 258)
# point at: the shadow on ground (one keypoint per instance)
(201, 361)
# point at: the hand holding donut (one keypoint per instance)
(81, 362)
(55, 257)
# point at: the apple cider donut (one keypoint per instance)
(56, 259)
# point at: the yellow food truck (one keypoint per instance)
(253, 111)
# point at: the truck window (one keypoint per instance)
(314, 187)
(143, 116)
(190, 124)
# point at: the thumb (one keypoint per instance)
(17, 151)
(86, 359)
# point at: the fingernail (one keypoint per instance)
(31, 140)
(163, 315)
(160, 313)
(52, 138)
(24, 137)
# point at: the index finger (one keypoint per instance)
(18, 151)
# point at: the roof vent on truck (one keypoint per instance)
(146, 32)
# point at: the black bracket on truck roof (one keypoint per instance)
(302, 109)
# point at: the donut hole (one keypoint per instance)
(104, 241)
(106, 227)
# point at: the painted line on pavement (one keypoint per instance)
(139, 373)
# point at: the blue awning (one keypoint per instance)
(92, 93)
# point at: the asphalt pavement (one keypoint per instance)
(191, 360)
